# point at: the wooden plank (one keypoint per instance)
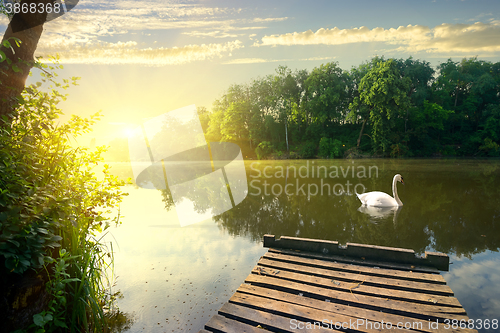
(375, 271)
(290, 291)
(295, 312)
(222, 324)
(360, 288)
(203, 331)
(376, 252)
(437, 260)
(415, 310)
(367, 280)
(350, 311)
(353, 261)
(267, 320)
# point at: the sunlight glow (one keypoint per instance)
(128, 132)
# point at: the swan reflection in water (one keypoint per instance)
(379, 213)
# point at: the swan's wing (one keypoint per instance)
(362, 197)
(378, 199)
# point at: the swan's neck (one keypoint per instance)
(395, 192)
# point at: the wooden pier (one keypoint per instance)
(304, 285)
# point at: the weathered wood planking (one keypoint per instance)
(360, 262)
(382, 253)
(350, 278)
(298, 291)
(325, 261)
(220, 323)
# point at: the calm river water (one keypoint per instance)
(174, 278)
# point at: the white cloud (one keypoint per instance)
(91, 23)
(477, 37)
(247, 61)
(319, 58)
(480, 16)
(211, 33)
(473, 283)
(88, 33)
(338, 36)
(78, 36)
(222, 32)
(270, 19)
(128, 53)
(112, 17)
(261, 60)
(444, 38)
(4, 21)
(82, 35)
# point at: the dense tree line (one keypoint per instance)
(384, 107)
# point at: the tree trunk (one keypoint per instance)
(286, 135)
(28, 28)
(361, 132)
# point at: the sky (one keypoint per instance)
(140, 58)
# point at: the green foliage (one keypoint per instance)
(336, 149)
(384, 92)
(235, 124)
(427, 124)
(490, 124)
(324, 148)
(420, 76)
(391, 107)
(330, 148)
(7, 44)
(54, 317)
(308, 150)
(490, 147)
(264, 149)
(326, 89)
(399, 150)
(448, 151)
(433, 116)
(51, 198)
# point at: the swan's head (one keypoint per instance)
(399, 178)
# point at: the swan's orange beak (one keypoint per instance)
(402, 182)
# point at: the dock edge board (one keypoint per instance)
(436, 260)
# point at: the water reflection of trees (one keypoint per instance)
(449, 207)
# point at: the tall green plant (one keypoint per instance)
(51, 198)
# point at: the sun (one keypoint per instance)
(128, 132)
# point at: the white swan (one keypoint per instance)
(381, 199)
